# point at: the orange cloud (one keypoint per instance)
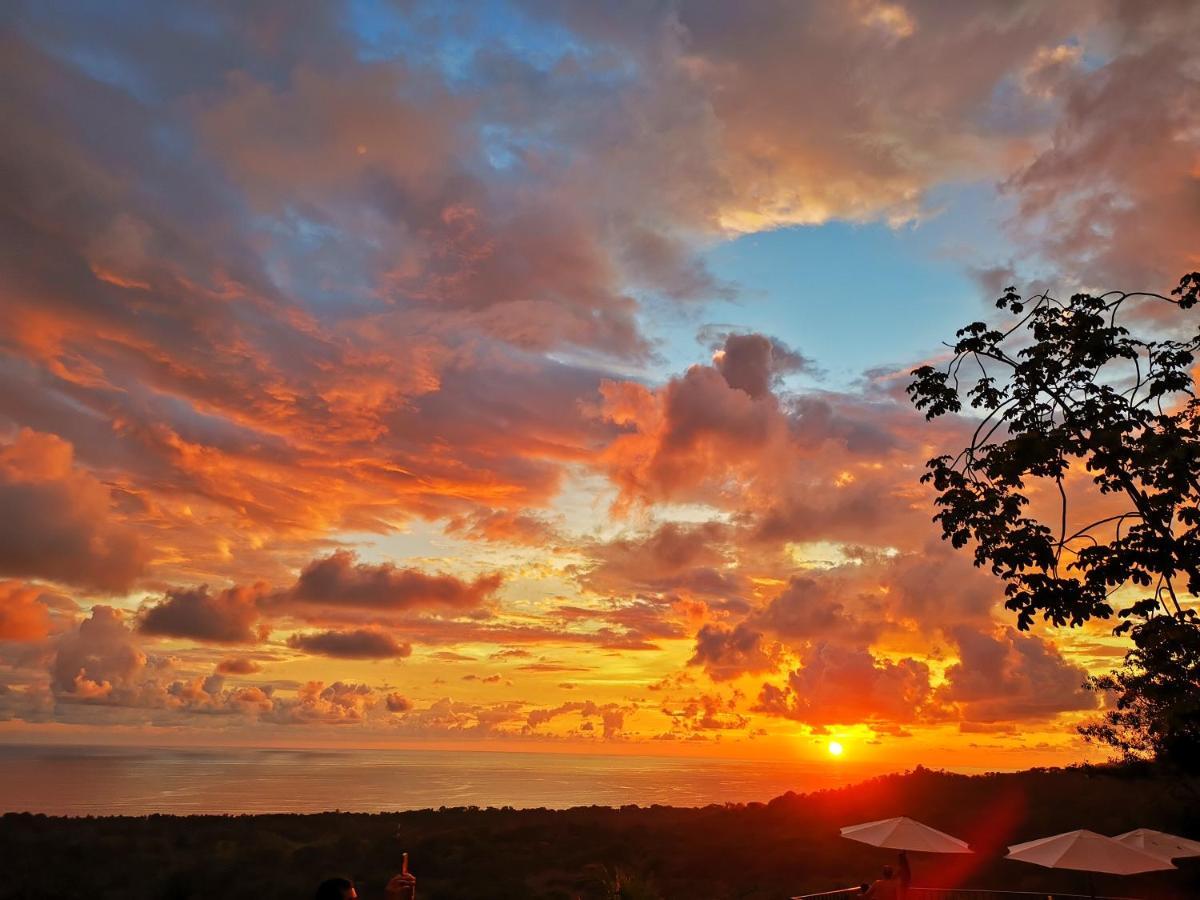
(728, 653)
(256, 312)
(238, 665)
(23, 615)
(840, 685)
(317, 704)
(58, 519)
(611, 716)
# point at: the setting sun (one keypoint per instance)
(835, 749)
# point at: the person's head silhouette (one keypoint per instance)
(336, 889)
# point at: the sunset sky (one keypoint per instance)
(530, 375)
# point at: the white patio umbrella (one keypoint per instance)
(903, 833)
(1168, 846)
(1086, 851)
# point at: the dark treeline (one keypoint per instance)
(790, 845)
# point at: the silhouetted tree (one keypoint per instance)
(1158, 695)
(1073, 406)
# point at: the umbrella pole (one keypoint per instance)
(1092, 885)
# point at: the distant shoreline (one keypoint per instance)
(82, 780)
(525, 750)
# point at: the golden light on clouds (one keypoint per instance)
(463, 403)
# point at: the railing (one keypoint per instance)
(840, 894)
(853, 893)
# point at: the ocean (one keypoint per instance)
(80, 781)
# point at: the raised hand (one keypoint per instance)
(401, 887)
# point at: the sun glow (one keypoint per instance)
(835, 749)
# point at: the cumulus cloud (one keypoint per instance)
(610, 715)
(814, 466)
(735, 78)
(371, 290)
(223, 617)
(754, 362)
(809, 609)
(361, 643)
(1010, 676)
(706, 712)
(918, 600)
(843, 685)
(692, 558)
(100, 661)
(728, 653)
(238, 665)
(1111, 200)
(316, 703)
(448, 717)
(1001, 676)
(58, 522)
(332, 587)
(339, 580)
(691, 440)
(26, 611)
(397, 703)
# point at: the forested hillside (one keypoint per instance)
(772, 850)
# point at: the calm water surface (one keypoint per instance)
(136, 781)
